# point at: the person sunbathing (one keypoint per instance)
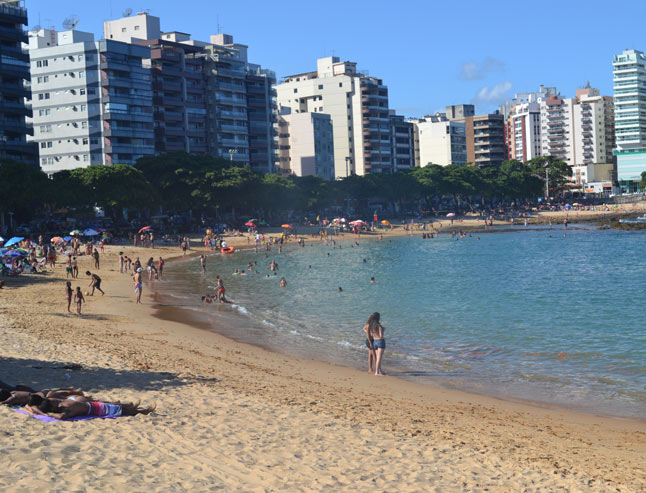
(67, 409)
(21, 397)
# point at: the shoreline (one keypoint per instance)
(464, 435)
(198, 318)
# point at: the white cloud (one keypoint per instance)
(493, 94)
(473, 71)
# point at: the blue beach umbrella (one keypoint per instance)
(67, 238)
(15, 239)
(13, 254)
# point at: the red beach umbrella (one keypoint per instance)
(250, 224)
(286, 226)
(145, 228)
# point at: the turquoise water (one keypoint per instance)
(528, 314)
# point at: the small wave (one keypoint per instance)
(240, 308)
(267, 322)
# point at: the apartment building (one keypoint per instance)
(208, 97)
(557, 128)
(14, 85)
(523, 131)
(440, 141)
(484, 134)
(306, 144)
(629, 78)
(402, 142)
(91, 100)
(358, 107)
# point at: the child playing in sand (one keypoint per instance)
(78, 299)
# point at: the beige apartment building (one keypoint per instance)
(305, 144)
(484, 134)
(358, 109)
(439, 141)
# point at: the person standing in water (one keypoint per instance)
(376, 332)
(136, 277)
(369, 344)
(203, 263)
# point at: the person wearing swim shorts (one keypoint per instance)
(376, 332)
(369, 344)
(95, 282)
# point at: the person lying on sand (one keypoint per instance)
(67, 409)
(21, 397)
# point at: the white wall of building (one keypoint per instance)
(436, 144)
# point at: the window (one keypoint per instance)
(46, 112)
(340, 84)
(81, 74)
(82, 92)
(91, 90)
(136, 28)
(41, 63)
(320, 108)
(83, 107)
(123, 29)
(320, 86)
(40, 79)
(86, 157)
(46, 78)
(83, 124)
(43, 95)
(43, 145)
(43, 160)
(295, 91)
(94, 141)
(85, 141)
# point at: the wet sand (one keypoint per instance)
(237, 417)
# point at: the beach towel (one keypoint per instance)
(49, 419)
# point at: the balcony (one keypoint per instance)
(14, 34)
(14, 107)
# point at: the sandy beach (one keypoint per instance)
(235, 417)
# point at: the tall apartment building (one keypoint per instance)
(14, 85)
(306, 144)
(92, 101)
(358, 107)
(557, 128)
(208, 97)
(484, 134)
(402, 142)
(629, 77)
(508, 107)
(440, 141)
(523, 131)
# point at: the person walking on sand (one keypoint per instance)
(69, 293)
(78, 299)
(136, 277)
(75, 268)
(95, 254)
(376, 331)
(160, 267)
(95, 282)
(121, 262)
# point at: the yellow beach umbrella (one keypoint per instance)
(387, 223)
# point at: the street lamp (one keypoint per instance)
(232, 152)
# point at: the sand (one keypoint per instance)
(234, 417)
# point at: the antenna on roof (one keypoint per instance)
(127, 12)
(217, 25)
(71, 21)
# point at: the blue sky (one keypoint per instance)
(429, 53)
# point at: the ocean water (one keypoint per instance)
(554, 316)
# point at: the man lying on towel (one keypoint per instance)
(21, 397)
(67, 409)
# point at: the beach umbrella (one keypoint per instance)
(57, 239)
(145, 228)
(451, 214)
(252, 220)
(287, 226)
(1, 239)
(67, 238)
(14, 240)
(90, 232)
(14, 253)
(357, 222)
(387, 223)
(75, 232)
(250, 224)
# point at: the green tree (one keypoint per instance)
(559, 172)
(23, 189)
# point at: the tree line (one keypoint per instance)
(214, 187)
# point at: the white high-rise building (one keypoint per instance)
(306, 144)
(440, 141)
(92, 101)
(557, 128)
(524, 131)
(358, 107)
(629, 76)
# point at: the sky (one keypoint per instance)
(430, 53)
